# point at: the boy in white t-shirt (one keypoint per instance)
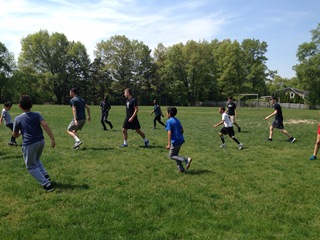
(227, 129)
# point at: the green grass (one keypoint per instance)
(269, 190)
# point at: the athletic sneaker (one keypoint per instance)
(13, 144)
(240, 146)
(313, 157)
(181, 171)
(189, 163)
(48, 187)
(123, 145)
(77, 144)
(269, 139)
(239, 129)
(292, 139)
(223, 145)
(146, 144)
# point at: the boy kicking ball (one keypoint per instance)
(227, 129)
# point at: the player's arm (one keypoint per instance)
(74, 113)
(169, 140)
(88, 111)
(45, 126)
(134, 113)
(219, 123)
(16, 132)
(272, 114)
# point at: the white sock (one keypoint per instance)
(125, 142)
(76, 139)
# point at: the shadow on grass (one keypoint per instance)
(197, 172)
(95, 148)
(4, 157)
(153, 147)
(68, 186)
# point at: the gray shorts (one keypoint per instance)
(73, 127)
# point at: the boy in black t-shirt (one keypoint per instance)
(232, 112)
(278, 122)
(131, 120)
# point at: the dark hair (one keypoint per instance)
(74, 90)
(25, 102)
(230, 97)
(106, 98)
(274, 98)
(223, 108)
(7, 104)
(172, 111)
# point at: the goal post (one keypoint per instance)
(254, 95)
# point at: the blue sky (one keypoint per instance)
(283, 24)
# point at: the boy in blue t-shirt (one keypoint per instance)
(176, 139)
(29, 125)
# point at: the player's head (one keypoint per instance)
(7, 104)
(230, 98)
(106, 98)
(172, 111)
(127, 92)
(222, 109)
(73, 91)
(273, 99)
(25, 102)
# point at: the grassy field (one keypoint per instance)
(268, 190)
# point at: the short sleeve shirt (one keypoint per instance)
(174, 125)
(278, 116)
(80, 104)
(29, 125)
(6, 116)
(226, 120)
(231, 108)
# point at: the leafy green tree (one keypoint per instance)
(7, 66)
(54, 61)
(128, 62)
(308, 70)
(100, 81)
(256, 71)
(231, 69)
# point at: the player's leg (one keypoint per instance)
(316, 148)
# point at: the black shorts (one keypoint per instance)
(227, 130)
(278, 124)
(131, 125)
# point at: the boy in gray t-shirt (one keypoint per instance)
(5, 116)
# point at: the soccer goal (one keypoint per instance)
(248, 100)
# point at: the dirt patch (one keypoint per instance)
(305, 121)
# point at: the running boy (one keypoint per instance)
(28, 124)
(278, 122)
(232, 112)
(6, 117)
(227, 129)
(176, 139)
(158, 113)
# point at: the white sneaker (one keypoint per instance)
(77, 144)
(240, 146)
(189, 162)
(223, 145)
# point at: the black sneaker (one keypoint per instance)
(47, 177)
(269, 139)
(292, 139)
(239, 129)
(48, 187)
(13, 144)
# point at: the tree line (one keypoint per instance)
(49, 65)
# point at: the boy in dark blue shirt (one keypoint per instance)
(176, 139)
